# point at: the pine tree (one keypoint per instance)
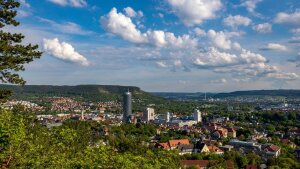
(13, 54)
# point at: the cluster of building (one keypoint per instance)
(26, 104)
(64, 104)
(203, 136)
(210, 133)
(185, 146)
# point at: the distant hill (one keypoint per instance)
(282, 93)
(85, 92)
(183, 96)
(250, 93)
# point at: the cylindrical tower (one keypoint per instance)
(127, 106)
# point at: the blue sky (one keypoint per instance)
(164, 45)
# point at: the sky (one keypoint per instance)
(164, 45)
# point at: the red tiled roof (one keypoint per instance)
(174, 143)
(164, 145)
(214, 149)
(273, 148)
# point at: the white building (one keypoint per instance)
(148, 114)
(197, 116)
(168, 117)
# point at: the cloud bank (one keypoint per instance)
(63, 51)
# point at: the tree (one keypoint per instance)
(13, 54)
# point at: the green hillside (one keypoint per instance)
(84, 92)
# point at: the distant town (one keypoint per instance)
(240, 127)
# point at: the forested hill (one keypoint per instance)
(86, 92)
(283, 93)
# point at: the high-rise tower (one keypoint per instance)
(197, 116)
(127, 107)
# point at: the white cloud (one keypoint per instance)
(23, 13)
(250, 5)
(247, 63)
(24, 3)
(200, 32)
(214, 58)
(161, 64)
(24, 10)
(236, 20)
(192, 12)
(275, 46)
(63, 51)
(289, 19)
(132, 13)
(161, 15)
(295, 39)
(296, 31)
(263, 28)
(284, 76)
(219, 81)
(121, 25)
(67, 27)
(236, 46)
(73, 3)
(250, 57)
(219, 39)
(177, 63)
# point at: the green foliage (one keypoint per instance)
(24, 143)
(13, 54)
(12, 136)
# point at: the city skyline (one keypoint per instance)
(169, 45)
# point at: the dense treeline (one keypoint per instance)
(83, 92)
(24, 143)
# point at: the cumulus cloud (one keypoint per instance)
(288, 18)
(73, 3)
(199, 32)
(214, 58)
(247, 65)
(132, 13)
(236, 46)
(219, 39)
(250, 57)
(121, 25)
(236, 20)
(296, 31)
(192, 12)
(63, 51)
(263, 28)
(274, 46)
(250, 5)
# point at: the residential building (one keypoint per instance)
(148, 114)
(231, 132)
(271, 150)
(197, 116)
